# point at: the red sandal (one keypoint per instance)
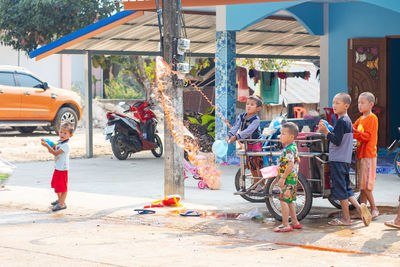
(281, 229)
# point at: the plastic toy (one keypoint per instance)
(220, 147)
(50, 143)
(330, 128)
(269, 172)
(167, 201)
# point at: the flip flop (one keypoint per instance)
(337, 222)
(144, 211)
(392, 224)
(54, 203)
(297, 226)
(365, 214)
(282, 229)
(58, 207)
(191, 213)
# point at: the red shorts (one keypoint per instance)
(60, 181)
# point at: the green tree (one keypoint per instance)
(27, 24)
(265, 64)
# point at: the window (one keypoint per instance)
(28, 81)
(7, 78)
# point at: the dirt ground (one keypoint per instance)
(12, 142)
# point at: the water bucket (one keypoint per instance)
(219, 148)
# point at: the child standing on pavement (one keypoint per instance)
(247, 126)
(365, 130)
(287, 177)
(340, 154)
(61, 156)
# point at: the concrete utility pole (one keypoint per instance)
(173, 161)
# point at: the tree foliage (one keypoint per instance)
(27, 24)
(264, 64)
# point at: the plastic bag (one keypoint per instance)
(253, 214)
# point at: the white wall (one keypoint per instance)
(47, 69)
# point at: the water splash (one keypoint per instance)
(205, 166)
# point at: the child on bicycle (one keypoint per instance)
(247, 126)
(365, 130)
(287, 177)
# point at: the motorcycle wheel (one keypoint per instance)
(249, 182)
(119, 149)
(158, 151)
(303, 201)
(397, 163)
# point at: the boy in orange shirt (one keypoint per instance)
(365, 130)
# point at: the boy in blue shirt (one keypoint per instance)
(340, 154)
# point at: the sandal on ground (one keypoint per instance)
(191, 213)
(144, 211)
(54, 203)
(392, 224)
(365, 214)
(281, 229)
(58, 207)
(297, 226)
(337, 222)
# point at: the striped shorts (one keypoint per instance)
(366, 173)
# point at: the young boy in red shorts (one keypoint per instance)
(61, 156)
(365, 130)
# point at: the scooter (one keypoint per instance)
(130, 135)
(393, 148)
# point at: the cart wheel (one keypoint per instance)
(303, 201)
(202, 184)
(249, 182)
(357, 195)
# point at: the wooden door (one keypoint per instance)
(367, 73)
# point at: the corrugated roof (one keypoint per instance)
(274, 36)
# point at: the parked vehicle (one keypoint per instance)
(27, 102)
(129, 135)
(393, 148)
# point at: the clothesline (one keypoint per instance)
(270, 88)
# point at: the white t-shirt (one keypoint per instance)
(62, 160)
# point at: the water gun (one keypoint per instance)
(50, 143)
(330, 128)
(167, 201)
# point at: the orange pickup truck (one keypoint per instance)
(27, 102)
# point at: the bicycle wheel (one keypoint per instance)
(249, 181)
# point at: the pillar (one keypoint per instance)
(225, 86)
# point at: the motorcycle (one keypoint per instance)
(130, 135)
(393, 148)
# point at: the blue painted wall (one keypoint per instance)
(394, 49)
(354, 20)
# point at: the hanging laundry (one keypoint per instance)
(269, 87)
(243, 89)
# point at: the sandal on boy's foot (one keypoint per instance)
(374, 214)
(281, 229)
(54, 203)
(392, 224)
(337, 222)
(365, 214)
(297, 226)
(58, 207)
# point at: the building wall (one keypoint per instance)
(47, 69)
(354, 20)
(394, 90)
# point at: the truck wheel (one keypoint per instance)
(303, 201)
(65, 115)
(26, 129)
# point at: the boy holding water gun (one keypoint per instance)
(366, 132)
(247, 126)
(61, 156)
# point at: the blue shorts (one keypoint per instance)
(340, 181)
